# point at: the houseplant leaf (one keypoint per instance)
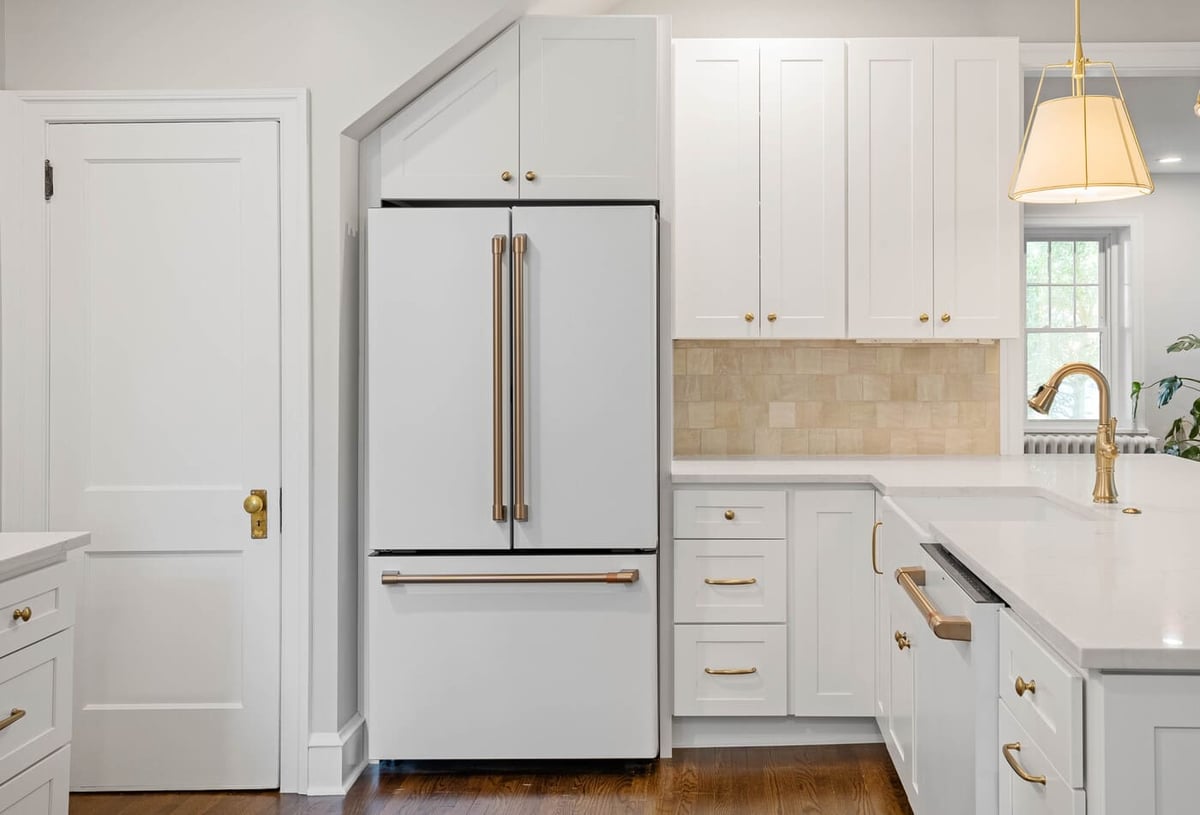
(1188, 342)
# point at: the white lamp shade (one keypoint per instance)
(1080, 149)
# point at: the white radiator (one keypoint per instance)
(1085, 443)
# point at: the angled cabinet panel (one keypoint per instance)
(459, 138)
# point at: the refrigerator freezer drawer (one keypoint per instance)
(529, 666)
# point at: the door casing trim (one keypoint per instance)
(24, 332)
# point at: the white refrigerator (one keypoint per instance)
(512, 482)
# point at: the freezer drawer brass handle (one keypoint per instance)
(15, 716)
(1021, 686)
(1022, 773)
(399, 579)
(22, 614)
(520, 508)
(731, 581)
(875, 548)
(730, 671)
(499, 512)
(943, 627)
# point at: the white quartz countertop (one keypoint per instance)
(22, 551)
(1110, 591)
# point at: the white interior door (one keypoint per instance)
(164, 414)
(590, 413)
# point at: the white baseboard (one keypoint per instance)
(335, 760)
(782, 731)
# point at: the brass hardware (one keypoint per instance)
(256, 507)
(530, 175)
(520, 508)
(499, 511)
(1015, 747)
(730, 671)
(1021, 686)
(731, 581)
(902, 641)
(1131, 511)
(15, 716)
(506, 176)
(911, 578)
(398, 579)
(924, 317)
(729, 515)
(749, 316)
(875, 547)
(22, 614)
(1105, 489)
(945, 318)
(772, 317)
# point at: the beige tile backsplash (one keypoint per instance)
(772, 398)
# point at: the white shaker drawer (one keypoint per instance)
(35, 703)
(36, 605)
(730, 670)
(1044, 695)
(730, 514)
(1043, 791)
(40, 790)
(720, 581)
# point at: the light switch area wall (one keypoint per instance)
(774, 398)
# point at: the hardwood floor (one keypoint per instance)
(839, 780)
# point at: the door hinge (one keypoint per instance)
(49, 176)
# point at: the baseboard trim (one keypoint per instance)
(713, 731)
(335, 760)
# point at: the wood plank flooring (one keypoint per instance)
(838, 780)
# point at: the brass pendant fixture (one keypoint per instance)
(1079, 148)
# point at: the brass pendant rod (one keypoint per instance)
(1078, 64)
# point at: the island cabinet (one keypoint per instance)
(553, 108)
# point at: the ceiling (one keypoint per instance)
(1162, 113)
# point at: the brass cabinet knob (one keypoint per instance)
(1021, 686)
(749, 316)
(902, 641)
(252, 504)
(729, 515)
(924, 318)
(530, 175)
(506, 176)
(945, 318)
(22, 614)
(772, 317)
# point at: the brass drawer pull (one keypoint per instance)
(911, 578)
(1008, 751)
(924, 317)
(398, 579)
(902, 641)
(1021, 686)
(22, 614)
(16, 715)
(730, 671)
(875, 547)
(729, 515)
(731, 581)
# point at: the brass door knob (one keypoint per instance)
(22, 614)
(749, 316)
(530, 175)
(772, 317)
(506, 176)
(1021, 686)
(729, 515)
(924, 318)
(252, 504)
(902, 641)
(945, 318)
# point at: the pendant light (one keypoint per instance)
(1082, 147)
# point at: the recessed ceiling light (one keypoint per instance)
(1170, 160)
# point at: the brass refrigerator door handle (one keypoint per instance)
(731, 581)
(875, 548)
(911, 578)
(14, 717)
(1022, 773)
(730, 671)
(625, 576)
(520, 508)
(499, 512)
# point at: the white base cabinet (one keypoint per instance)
(40, 790)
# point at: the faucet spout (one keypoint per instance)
(1105, 489)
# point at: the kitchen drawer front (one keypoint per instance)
(40, 790)
(35, 703)
(45, 596)
(1021, 797)
(720, 581)
(730, 670)
(722, 514)
(1052, 711)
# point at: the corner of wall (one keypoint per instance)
(336, 760)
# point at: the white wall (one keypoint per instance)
(1031, 20)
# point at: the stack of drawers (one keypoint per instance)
(37, 610)
(1040, 750)
(731, 566)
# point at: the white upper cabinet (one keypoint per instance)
(716, 189)
(977, 229)
(589, 107)
(553, 108)
(460, 137)
(890, 124)
(803, 188)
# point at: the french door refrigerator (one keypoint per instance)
(512, 496)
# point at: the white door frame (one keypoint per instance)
(24, 332)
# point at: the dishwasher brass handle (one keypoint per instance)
(875, 548)
(22, 614)
(1022, 773)
(399, 579)
(731, 581)
(911, 578)
(730, 671)
(1021, 686)
(14, 717)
